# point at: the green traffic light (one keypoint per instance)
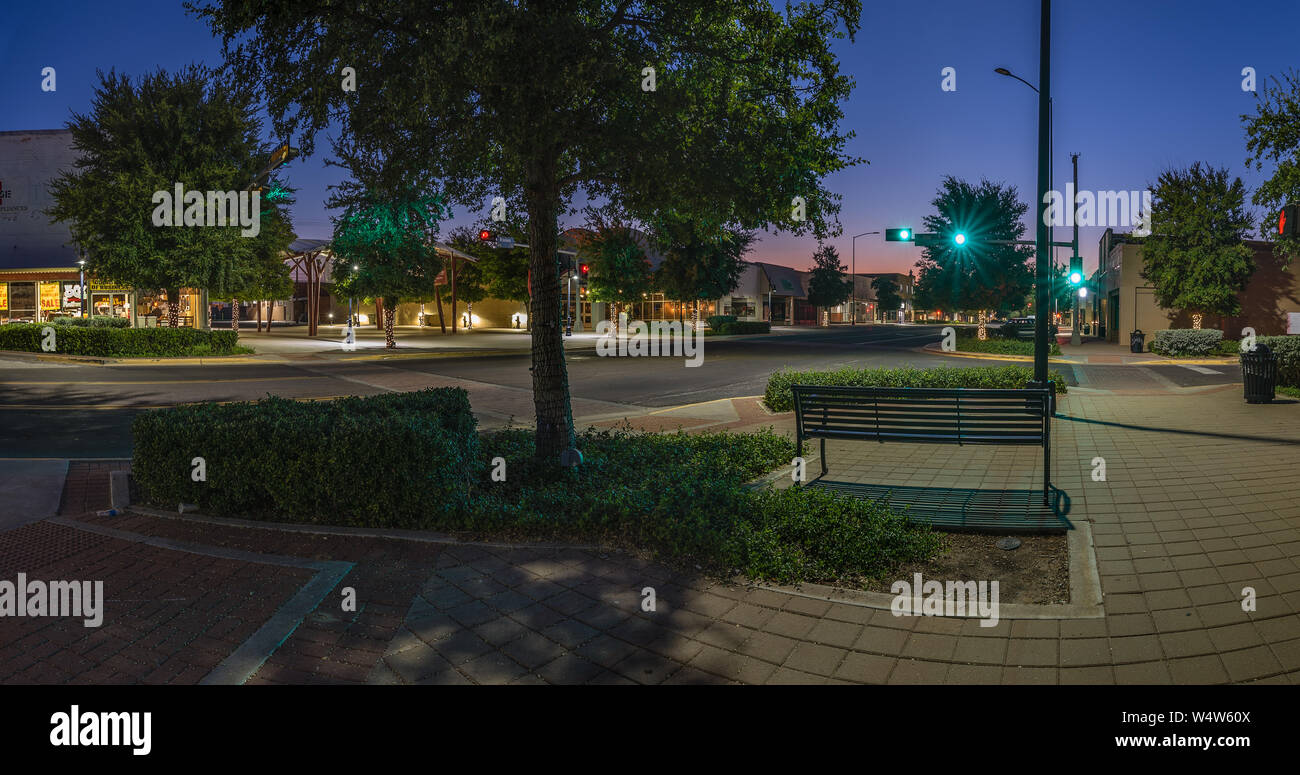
(1076, 278)
(959, 238)
(898, 235)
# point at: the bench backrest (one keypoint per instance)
(928, 415)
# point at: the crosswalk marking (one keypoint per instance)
(1199, 369)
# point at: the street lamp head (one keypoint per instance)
(1001, 71)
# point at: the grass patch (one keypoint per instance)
(779, 398)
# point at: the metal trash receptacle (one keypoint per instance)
(1136, 341)
(1259, 374)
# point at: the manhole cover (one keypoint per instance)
(1008, 543)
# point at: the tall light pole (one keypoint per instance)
(1042, 273)
(82, 263)
(854, 270)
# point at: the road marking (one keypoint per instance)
(163, 381)
(1199, 369)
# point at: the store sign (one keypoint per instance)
(108, 288)
(1293, 322)
(51, 296)
(4, 295)
(72, 295)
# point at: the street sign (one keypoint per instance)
(505, 242)
(927, 240)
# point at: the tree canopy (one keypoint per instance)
(143, 138)
(724, 108)
(887, 297)
(1273, 138)
(978, 274)
(1195, 257)
(827, 285)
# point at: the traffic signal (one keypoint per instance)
(485, 235)
(283, 155)
(959, 239)
(899, 235)
(1288, 221)
(583, 269)
(1076, 270)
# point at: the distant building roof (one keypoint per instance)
(784, 280)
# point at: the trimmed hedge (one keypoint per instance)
(120, 342)
(1186, 341)
(1010, 330)
(779, 398)
(94, 321)
(1287, 351)
(717, 321)
(973, 344)
(394, 460)
(746, 327)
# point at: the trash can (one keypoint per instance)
(1259, 374)
(1136, 340)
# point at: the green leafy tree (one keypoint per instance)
(1195, 258)
(498, 274)
(887, 296)
(1273, 139)
(619, 269)
(386, 231)
(738, 118)
(979, 274)
(700, 262)
(827, 285)
(144, 137)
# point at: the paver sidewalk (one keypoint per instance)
(1199, 502)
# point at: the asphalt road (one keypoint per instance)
(61, 410)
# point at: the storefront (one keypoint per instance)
(151, 308)
(38, 296)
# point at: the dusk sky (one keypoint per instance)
(1139, 87)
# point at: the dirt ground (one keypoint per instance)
(1037, 572)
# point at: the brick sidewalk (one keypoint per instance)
(1200, 501)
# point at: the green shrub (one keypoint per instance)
(800, 533)
(394, 460)
(973, 344)
(683, 497)
(1011, 330)
(779, 398)
(746, 327)
(120, 342)
(1176, 342)
(1287, 351)
(717, 321)
(94, 321)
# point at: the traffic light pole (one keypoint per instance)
(1042, 260)
(1075, 340)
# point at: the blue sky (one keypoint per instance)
(1138, 86)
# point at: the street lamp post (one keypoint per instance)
(854, 270)
(82, 263)
(1042, 273)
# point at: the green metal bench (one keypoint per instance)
(939, 416)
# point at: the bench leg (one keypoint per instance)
(823, 446)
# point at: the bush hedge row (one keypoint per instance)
(1186, 341)
(119, 342)
(779, 398)
(1287, 351)
(973, 344)
(394, 460)
(745, 327)
(717, 321)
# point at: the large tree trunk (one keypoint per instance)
(442, 324)
(174, 307)
(234, 315)
(390, 312)
(379, 313)
(259, 318)
(550, 378)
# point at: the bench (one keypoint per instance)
(938, 416)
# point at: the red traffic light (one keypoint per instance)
(485, 235)
(1288, 221)
(582, 268)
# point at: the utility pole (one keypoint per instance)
(1042, 261)
(1074, 261)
